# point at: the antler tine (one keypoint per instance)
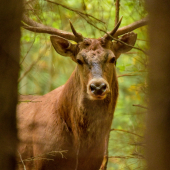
(107, 37)
(116, 27)
(127, 28)
(78, 35)
(131, 27)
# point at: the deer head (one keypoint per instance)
(95, 58)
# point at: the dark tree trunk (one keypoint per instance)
(10, 17)
(158, 123)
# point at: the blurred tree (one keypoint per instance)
(10, 17)
(158, 122)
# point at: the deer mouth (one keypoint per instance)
(97, 97)
(93, 96)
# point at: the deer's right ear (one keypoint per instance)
(63, 46)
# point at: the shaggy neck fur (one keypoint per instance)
(85, 118)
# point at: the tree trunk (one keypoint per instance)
(158, 122)
(10, 17)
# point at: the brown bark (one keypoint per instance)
(10, 17)
(158, 122)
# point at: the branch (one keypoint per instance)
(26, 101)
(40, 157)
(121, 130)
(130, 74)
(104, 163)
(22, 161)
(138, 105)
(32, 65)
(29, 69)
(117, 4)
(74, 10)
(27, 52)
(138, 156)
(122, 157)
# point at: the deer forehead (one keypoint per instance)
(93, 44)
(94, 50)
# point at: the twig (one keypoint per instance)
(36, 159)
(32, 65)
(117, 4)
(26, 101)
(29, 69)
(27, 2)
(138, 105)
(27, 52)
(142, 40)
(104, 163)
(121, 157)
(138, 156)
(40, 157)
(138, 144)
(127, 44)
(31, 7)
(121, 130)
(74, 10)
(140, 61)
(22, 161)
(130, 74)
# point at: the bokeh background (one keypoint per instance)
(43, 70)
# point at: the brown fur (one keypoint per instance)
(69, 118)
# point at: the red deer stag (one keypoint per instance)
(77, 116)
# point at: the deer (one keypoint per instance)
(68, 128)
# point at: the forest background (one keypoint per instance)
(43, 70)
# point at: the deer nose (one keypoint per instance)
(98, 88)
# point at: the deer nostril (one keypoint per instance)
(103, 87)
(92, 87)
(98, 89)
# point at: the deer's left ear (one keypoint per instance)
(129, 38)
(63, 46)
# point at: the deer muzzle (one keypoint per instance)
(98, 88)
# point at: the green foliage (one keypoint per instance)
(46, 70)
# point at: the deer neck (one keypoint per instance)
(80, 110)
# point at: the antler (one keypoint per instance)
(107, 37)
(117, 32)
(77, 37)
(40, 28)
(131, 27)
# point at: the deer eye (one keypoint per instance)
(112, 60)
(79, 62)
